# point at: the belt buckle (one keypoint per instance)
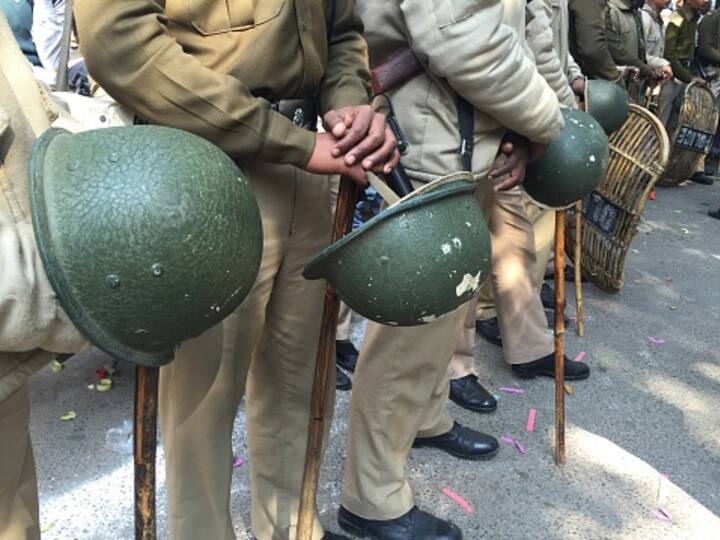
(299, 117)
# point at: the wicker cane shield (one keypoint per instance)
(638, 155)
(693, 135)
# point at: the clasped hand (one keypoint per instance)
(357, 139)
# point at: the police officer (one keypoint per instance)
(680, 38)
(708, 49)
(508, 303)
(33, 326)
(588, 39)
(626, 41)
(224, 71)
(396, 403)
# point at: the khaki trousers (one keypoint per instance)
(18, 485)
(511, 291)
(400, 391)
(270, 342)
(398, 394)
(343, 325)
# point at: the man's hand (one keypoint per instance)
(699, 81)
(511, 172)
(363, 137)
(322, 161)
(518, 152)
(578, 87)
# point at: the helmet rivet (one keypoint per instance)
(113, 281)
(113, 157)
(384, 260)
(157, 269)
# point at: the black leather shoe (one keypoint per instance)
(461, 442)
(346, 355)
(333, 536)
(342, 381)
(547, 296)
(415, 525)
(489, 330)
(702, 178)
(470, 394)
(714, 214)
(545, 367)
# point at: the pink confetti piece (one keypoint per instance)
(656, 341)
(530, 424)
(660, 514)
(668, 280)
(237, 462)
(581, 356)
(462, 503)
(513, 442)
(511, 390)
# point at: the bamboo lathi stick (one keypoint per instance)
(559, 337)
(145, 443)
(324, 366)
(577, 260)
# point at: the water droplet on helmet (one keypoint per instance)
(384, 260)
(73, 166)
(114, 157)
(157, 269)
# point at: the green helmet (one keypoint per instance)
(414, 262)
(607, 103)
(572, 166)
(149, 235)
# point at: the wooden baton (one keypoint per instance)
(145, 443)
(559, 337)
(577, 260)
(324, 366)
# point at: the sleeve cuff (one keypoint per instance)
(345, 94)
(287, 143)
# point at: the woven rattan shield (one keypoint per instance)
(692, 138)
(638, 155)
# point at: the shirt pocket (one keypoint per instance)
(210, 17)
(449, 12)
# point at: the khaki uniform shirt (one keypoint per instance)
(708, 46)
(467, 51)
(540, 38)
(32, 323)
(588, 41)
(560, 24)
(624, 36)
(654, 32)
(680, 42)
(211, 67)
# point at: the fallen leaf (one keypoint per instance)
(569, 389)
(70, 415)
(56, 366)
